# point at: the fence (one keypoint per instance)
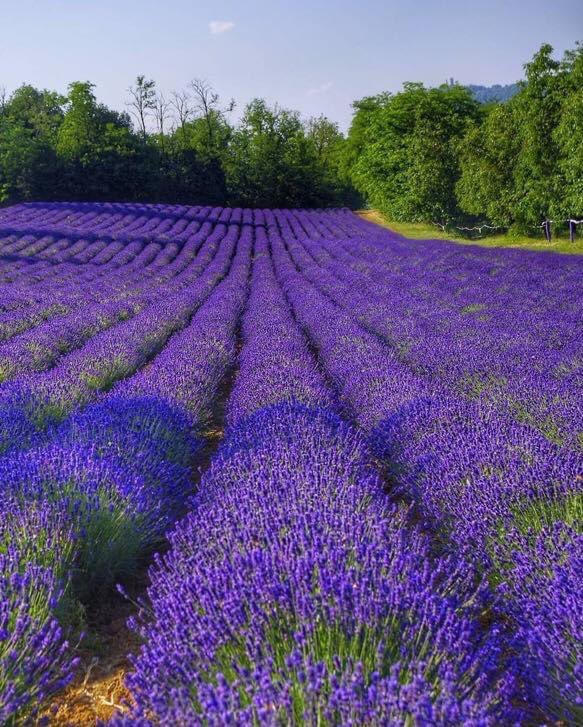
(546, 227)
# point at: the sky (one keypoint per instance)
(316, 57)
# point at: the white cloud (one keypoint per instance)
(220, 26)
(322, 88)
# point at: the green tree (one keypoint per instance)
(103, 158)
(487, 158)
(405, 148)
(332, 175)
(29, 124)
(524, 163)
(538, 108)
(212, 129)
(568, 137)
(28, 164)
(270, 161)
(78, 135)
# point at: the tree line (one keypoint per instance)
(422, 154)
(181, 148)
(437, 155)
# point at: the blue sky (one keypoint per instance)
(316, 57)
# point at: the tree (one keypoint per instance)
(404, 149)
(181, 102)
(142, 101)
(29, 167)
(538, 108)
(207, 105)
(39, 111)
(487, 158)
(524, 164)
(78, 135)
(568, 136)
(29, 123)
(325, 137)
(329, 146)
(271, 162)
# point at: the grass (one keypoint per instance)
(423, 231)
(530, 518)
(544, 513)
(377, 647)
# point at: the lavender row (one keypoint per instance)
(475, 476)
(206, 347)
(164, 225)
(275, 364)
(113, 477)
(40, 347)
(514, 342)
(125, 243)
(262, 609)
(261, 613)
(113, 354)
(516, 453)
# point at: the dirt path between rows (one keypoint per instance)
(98, 691)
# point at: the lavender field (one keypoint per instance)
(350, 463)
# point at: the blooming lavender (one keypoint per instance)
(34, 658)
(264, 614)
(390, 531)
(544, 591)
(293, 588)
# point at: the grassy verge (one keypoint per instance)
(420, 231)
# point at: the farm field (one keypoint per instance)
(334, 475)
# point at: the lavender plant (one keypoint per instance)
(390, 531)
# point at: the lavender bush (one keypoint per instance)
(390, 530)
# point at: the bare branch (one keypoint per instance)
(143, 99)
(206, 103)
(161, 112)
(181, 102)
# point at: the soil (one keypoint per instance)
(98, 692)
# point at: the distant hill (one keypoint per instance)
(486, 94)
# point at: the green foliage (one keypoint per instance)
(487, 157)
(568, 135)
(435, 155)
(535, 515)
(73, 147)
(330, 148)
(524, 163)
(113, 542)
(272, 161)
(422, 155)
(405, 149)
(48, 544)
(79, 133)
(538, 108)
(529, 518)
(29, 123)
(376, 647)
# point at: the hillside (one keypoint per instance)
(487, 94)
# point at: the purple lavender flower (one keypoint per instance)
(34, 657)
(301, 579)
